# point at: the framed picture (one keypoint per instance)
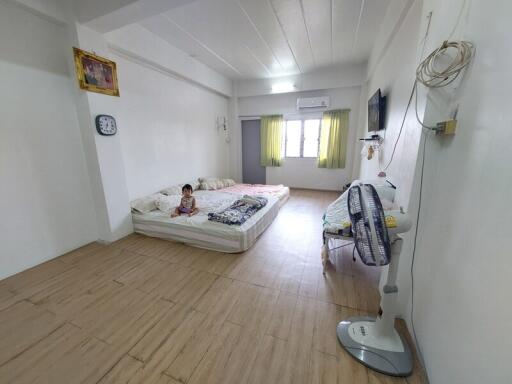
(96, 74)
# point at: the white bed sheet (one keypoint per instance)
(283, 196)
(279, 191)
(198, 231)
(336, 217)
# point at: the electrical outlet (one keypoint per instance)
(447, 127)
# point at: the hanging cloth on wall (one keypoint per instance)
(271, 140)
(370, 152)
(333, 139)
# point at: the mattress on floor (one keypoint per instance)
(198, 231)
(278, 191)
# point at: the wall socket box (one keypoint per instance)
(447, 127)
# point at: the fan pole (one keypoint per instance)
(375, 341)
(386, 321)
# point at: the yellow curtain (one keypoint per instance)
(333, 139)
(271, 133)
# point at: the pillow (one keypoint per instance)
(167, 204)
(208, 183)
(194, 184)
(145, 204)
(177, 189)
(228, 182)
(173, 190)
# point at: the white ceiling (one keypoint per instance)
(245, 39)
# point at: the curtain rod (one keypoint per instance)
(297, 113)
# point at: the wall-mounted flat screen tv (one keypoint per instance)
(376, 112)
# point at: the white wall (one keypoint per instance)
(395, 75)
(462, 262)
(103, 154)
(169, 132)
(45, 198)
(166, 117)
(51, 10)
(304, 173)
(462, 285)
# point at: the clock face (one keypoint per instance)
(106, 125)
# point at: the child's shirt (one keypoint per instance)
(187, 202)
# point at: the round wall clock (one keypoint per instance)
(106, 125)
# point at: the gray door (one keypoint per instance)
(252, 171)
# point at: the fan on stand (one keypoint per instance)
(375, 341)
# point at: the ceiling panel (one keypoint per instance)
(265, 23)
(223, 26)
(318, 16)
(374, 12)
(266, 38)
(172, 33)
(291, 19)
(345, 19)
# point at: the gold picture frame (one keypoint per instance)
(95, 73)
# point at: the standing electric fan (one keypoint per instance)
(374, 341)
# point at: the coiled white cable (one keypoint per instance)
(430, 76)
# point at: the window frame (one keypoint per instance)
(302, 120)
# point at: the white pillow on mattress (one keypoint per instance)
(173, 190)
(177, 189)
(211, 183)
(145, 204)
(167, 204)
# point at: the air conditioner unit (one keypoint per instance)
(313, 103)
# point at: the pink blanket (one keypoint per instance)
(255, 189)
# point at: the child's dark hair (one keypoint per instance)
(187, 187)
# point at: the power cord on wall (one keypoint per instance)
(431, 77)
(428, 75)
(413, 90)
(401, 127)
(423, 158)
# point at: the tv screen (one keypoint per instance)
(376, 111)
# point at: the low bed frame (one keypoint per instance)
(336, 220)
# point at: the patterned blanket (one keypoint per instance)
(240, 211)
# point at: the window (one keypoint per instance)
(302, 138)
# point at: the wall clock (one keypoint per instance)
(106, 125)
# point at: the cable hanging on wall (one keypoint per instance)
(429, 75)
(432, 77)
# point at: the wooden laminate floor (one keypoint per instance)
(144, 310)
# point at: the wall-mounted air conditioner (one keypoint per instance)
(305, 103)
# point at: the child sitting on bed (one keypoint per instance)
(188, 202)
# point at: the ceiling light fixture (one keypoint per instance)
(283, 87)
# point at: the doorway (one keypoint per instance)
(252, 171)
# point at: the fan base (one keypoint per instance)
(393, 361)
